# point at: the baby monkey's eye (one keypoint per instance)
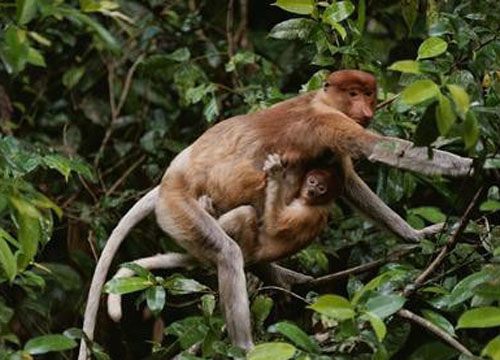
(321, 189)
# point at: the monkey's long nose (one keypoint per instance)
(310, 193)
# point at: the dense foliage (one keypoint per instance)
(97, 97)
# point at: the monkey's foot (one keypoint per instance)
(273, 165)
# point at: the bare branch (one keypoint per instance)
(433, 329)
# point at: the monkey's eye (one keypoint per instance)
(321, 189)
(353, 93)
(312, 181)
(368, 94)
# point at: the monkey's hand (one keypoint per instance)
(207, 204)
(273, 166)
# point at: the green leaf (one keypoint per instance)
(484, 317)
(292, 29)
(208, 304)
(26, 11)
(439, 321)
(490, 206)
(432, 47)
(492, 349)
(180, 55)
(434, 351)
(410, 12)
(155, 298)
(406, 66)
(179, 285)
(72, 76)
(121, 286)
(445, 115)
(190, 330)
(261, 308)
(427, 131)
(377, 325)
(303, 7)
(375, 283)
(7, 260)
(109, 41)
(464, 290)
(48, 343)
(29, 232)
(429, 213)
(275, 351)
(338, 11)
(460, 98)
(420, 91)
(297, 336)
(385, 305)
(470, 130)
(334, 306)
(36, 58)
(65, 165)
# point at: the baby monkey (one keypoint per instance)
(284, 228)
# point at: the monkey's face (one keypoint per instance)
(354, 93)
(315, 189)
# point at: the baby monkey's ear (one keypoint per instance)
(326, 85)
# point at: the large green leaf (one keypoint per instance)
(297, 336)
(406, 66)
(155, 298)
(492, 349)
(29, 231)
(7, 259)
(179, 285)
(460, 98)
(377, 325)
(464, 290)
(385, 305)
(445, 115)
(439, 321)
(275, 351)
(338, 11)
(261, 308)
(26, 11)
(484, 317)
(48, 343)
(126, 285)
(434, 351)
(420, 91)
(470, 130)
(303, 7)
(432, 47)
(334, 306)
(190, 330)
(292, 29)
(429, 213)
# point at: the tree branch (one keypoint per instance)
(426, 324)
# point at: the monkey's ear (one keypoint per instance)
(326, 85)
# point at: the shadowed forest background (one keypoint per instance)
(97, 97)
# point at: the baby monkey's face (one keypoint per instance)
(315, 188)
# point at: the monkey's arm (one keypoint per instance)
(274, 202)
(405, 155)
(367, 202)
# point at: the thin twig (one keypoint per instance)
(361, 268)
(388, 101)
(229, 28)
(464, 220)
(291, 293)
(125, 175)
(434, 329)
(115, 112)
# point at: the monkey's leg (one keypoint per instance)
(368, 203)
(182, 217)
(159, 261)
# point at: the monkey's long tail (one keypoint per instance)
(139, 211)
